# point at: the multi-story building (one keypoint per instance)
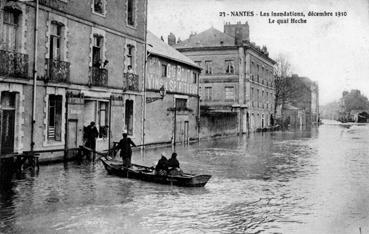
(88, 57)
(236, 83)
(172, 100)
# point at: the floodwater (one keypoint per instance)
(314, 181)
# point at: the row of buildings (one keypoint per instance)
(66, 63)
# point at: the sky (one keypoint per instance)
(334, 51)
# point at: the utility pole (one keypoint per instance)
(34, 96)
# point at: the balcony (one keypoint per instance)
(13, 64)
(57, 71)
(98, 76)
(130, 82)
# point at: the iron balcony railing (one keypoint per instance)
(130, 82)
(13, 64)
(57, 71)
(98, 76)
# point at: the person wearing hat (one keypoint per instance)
(162, 165)
(125, 149)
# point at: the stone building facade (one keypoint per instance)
(84, 49)
(236, 83)
(172, 106)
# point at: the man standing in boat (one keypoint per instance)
(124, 146)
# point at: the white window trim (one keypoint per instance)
(133, 98)
(19, 112)
(64, 21)
(97, 115)
(99, 32)
(97, 13)
(21, 46)
(134, 44)
(134, 26)
(55, 91)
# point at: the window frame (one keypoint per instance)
(208, 67)
(54, 104)
(230, 68)
(12, 44)
(228, 92)
(103, 13)
(133, 13)
(208, 93)
(164, 70)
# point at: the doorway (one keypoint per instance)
(185, 133)
(72, 133)
(7, 125)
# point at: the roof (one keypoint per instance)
(208, 38)
(158, 47)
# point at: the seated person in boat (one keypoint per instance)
(162, 165)
(173, 166)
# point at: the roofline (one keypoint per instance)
(260, 53)
(214, 48)
(204, 48)
(173, 59)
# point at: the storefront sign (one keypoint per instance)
(178, 79)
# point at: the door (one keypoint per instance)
(7, 122)
(179, 131)
(72, 133)
(185, 132)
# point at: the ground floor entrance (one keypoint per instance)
(7, 122)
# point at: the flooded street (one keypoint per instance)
(277, 182)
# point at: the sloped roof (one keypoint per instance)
(158, 47)
(208, 38)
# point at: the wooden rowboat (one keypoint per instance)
(148, 174)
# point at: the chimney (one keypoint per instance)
(238, 31)
(171, 39)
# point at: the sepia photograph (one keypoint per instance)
(184, 116)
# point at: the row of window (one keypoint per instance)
(259, 99)
(229, 93)
(57, 44)
(55, 118)
(229, 67)
(261, 74)
(99, 7)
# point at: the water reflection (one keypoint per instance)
(308, 181)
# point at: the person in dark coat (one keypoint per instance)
(173, 162)
(91, 135)
(125, 149)
(173, 166)
(162, 165)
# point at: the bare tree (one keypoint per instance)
(282, 88)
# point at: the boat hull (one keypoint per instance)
(147, 174)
